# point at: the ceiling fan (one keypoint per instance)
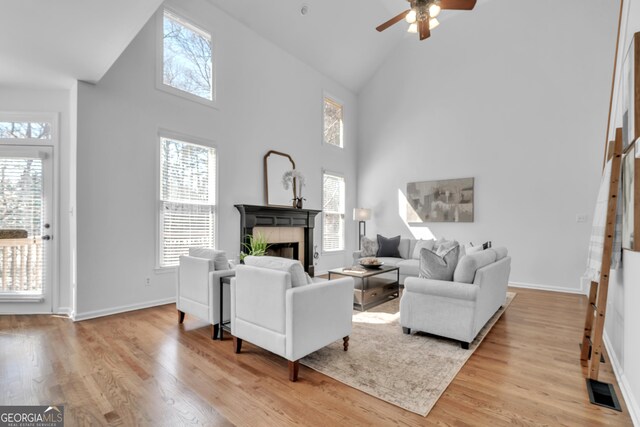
(422, 15)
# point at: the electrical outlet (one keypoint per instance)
(582, 217)
(147, 281)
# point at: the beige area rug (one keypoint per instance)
(410, 371)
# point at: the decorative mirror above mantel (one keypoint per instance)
(276, 164)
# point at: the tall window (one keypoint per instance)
(333, 208)
(187, 198)
(187, 57)
(333, 128)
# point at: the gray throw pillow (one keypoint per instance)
(436, 267)
(369, 247)
(388, 247)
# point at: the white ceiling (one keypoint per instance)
(337, 37)
(53, 43)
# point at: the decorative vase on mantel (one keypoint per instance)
(298, 202)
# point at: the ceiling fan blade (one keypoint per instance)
(423, 29)
(457, 4)
(392, 21)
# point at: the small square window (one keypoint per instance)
(187, 57)
(333, 126)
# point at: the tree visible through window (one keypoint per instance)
(333, 208)
(25, 130)
(187, 198)
(187, 57)
(333, 128)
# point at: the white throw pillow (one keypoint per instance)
(369, 247)
(291, 266)
(427, 244)
(219, 258)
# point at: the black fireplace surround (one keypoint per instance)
(274, 216)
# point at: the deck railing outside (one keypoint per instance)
(21, 261)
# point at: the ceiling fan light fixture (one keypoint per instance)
(433, 23)
(434, 10)
(411, 16)
(413, 28)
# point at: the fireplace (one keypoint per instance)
(288, 230)
(285, 250)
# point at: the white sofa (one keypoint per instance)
(457, 309)
(407, 265)
(273, 309)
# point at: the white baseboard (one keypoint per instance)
(546, 288)
(122, 309)
(627, 394)
(64, 311)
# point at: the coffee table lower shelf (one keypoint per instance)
(370, 288)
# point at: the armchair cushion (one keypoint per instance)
(291, 266)
(219, 258)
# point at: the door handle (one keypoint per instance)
(46, 237)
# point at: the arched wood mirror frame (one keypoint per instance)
(276, 164)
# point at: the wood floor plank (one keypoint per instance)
(142, 368)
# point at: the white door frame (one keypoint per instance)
(54, 145)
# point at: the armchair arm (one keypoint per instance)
(441, 288)
(317, 315)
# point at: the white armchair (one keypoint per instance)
(198, 292)
(289, 321)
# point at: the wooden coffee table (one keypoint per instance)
(371, 289)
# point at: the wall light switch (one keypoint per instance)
(582, 218)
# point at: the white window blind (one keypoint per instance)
(333, 127)
(22, 265)
(333, 209)
(187, 198)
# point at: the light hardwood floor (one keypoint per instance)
(142, 368)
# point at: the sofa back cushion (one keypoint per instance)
(404, 248)
(218, 258)
(419, 245)
(291, 266)
(388, 247)
(501, 252)
(438, 266)
(466, 269)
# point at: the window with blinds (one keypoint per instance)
(333, 209)
(333, 127)
(187, 198)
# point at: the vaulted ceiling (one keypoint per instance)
(53, 43)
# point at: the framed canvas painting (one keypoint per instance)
(631, 198)
(449, 200)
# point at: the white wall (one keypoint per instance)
(57, 102)
(516, 100)
(621, 332)
(267, 100)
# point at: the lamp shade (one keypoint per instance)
(361, 214)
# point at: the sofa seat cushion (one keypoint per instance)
(409, 267)
(291, 266)
(468, 265)
(218, 259)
